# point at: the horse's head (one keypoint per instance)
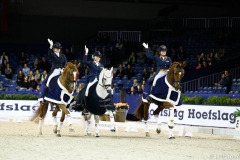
(105, 79)
(175, 74)
(69, 76)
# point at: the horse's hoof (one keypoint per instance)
(97, 135)
(170, 127)
(113, 130)
(40, 133)
(171, 137)
(54, 131)
(88, 134)
(147, 134)
(71, 130)
(58, 135)
(158, 130)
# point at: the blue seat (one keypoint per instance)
(6, 82)
(138, 77)
(11, 88)
(231, 92)
(191, 92)
(125, 80)
(200, 89)
(218, 90)
(14, 77)
(209, 92)
(195, 92)
(237, 92)
(224, 90)
(238, 86)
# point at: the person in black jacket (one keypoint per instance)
(58, 61)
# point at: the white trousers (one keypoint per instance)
(89, 85)
(55, 73)
(160, 74)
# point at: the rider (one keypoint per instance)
(95, 68)
(163, 63)
(58, 61)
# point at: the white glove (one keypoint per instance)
(145, 45)
(50, 42)
(86, 50)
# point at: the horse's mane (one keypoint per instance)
(173, 64)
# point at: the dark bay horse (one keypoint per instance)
(60, 93)
(98, 101)
(170, 96)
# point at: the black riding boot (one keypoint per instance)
(85, 111)
(44, 94)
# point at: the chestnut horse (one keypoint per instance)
(167, 84)
(60, 93)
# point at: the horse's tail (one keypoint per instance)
(41, 108)
(139, 111)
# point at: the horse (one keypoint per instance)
(60, 93)
(98, 101)
(170, 87)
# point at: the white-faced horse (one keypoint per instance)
(170, 96)
(98, 101)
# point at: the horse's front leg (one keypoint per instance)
(96, 118)
(112, 121)
(171, 123)
(87, 118)
(54, 116)
(41, 117)
(145, 111)
(157, 118)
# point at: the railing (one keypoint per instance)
(113, 35)
(196, 23)
(219, 22)
(131, 36)
(194, 85)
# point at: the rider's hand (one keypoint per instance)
(145, 45)
(50, 42)
(86, 50)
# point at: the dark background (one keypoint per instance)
(71, 21)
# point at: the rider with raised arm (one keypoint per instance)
(95, 68)
(163, 63)
(58, 61)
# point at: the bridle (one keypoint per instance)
(176, 71)
(69, 81)
(103, 82)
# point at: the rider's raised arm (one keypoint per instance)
(150, 56)
(85, 61)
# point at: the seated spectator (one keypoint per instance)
(8, 71)
(80, 87)
(199, 66)
(152, 72)
(129, 72)
(32, 58)
(33, 83)
(120, 71)
(20, 78)
(173, 55)
(3, 57)
(37, 76)
(44, 75)
(228, 80)
(132, 58)
(201, 58)
(211, 58)
(139, 89)
(132, 91)
(210, 63)
(141, 58)
(30, 75)
(36, 65)
(119, 44)
(44, 65)
(145, 74)
(4, 66)
(220, 83)
(38, 88)
(204, 64)
(22, 59)
(180, 54)
(135, 84)
(25, 70)
(112, 56)
(87, 70)
(25, 84)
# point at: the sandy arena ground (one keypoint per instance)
(19, 141)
